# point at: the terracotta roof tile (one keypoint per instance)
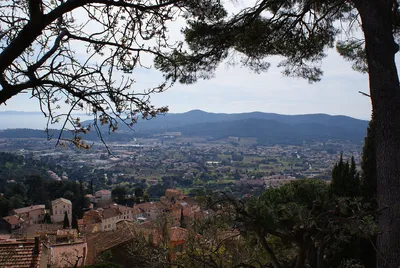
(60, 200)
(14, 219)
(28, 209)
(19, 254)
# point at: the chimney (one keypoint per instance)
(36, 249)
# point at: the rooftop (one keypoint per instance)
(13, 219)
(28, 209)
(19, 254)
(60, 200)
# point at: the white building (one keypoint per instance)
(59, 207)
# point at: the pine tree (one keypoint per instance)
(66, 221)
(74, 223)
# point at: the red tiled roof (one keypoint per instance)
(28, 209)
(103, 192)
(60, 200)
(14, 219)
(147, 205)
(19, 254)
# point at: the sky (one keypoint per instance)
(236, 90)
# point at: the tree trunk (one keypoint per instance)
(301, 256)
(376, 16)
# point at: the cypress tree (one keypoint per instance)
(47, 218)
(182, 220)
(345, 179)
(368, 192)
(368, 166)
(66, 221)
(74, 223)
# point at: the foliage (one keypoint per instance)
(74, 222)
(65, 221)
(345, 179)
(212, 243)
(369, 191)
(182, 222)
(29, 183)
(300, 31)
(138, 252)
(80, 55)
(300, 222)
(47, 218)
(103, 265)
(368, 165)
(118, 195)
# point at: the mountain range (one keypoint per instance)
(266, 127)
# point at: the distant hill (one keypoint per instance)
(197, 116)
(273, 132)
(266, 127)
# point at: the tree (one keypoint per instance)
(139, 192)
(301, 224)
(119, 195)
(47, 218)
(80, 55)
(368, 165)
(5, 206)
(66, 221)
(301, 31)
(16, 201)
(74, 223)
(182, 222)
(368, 191)
(146, 197)
(345, 179)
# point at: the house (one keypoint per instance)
(15, 221)
(59, 207)
(112, 214)
(91, 222)
(65, 247)
(65, 254)
(101, 241)
(117, 241)
(172, 194)
(150, 210)
(31, 215)
(23, 254)
(107, 217)
(103, 198)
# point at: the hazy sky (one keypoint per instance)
(235, 90)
